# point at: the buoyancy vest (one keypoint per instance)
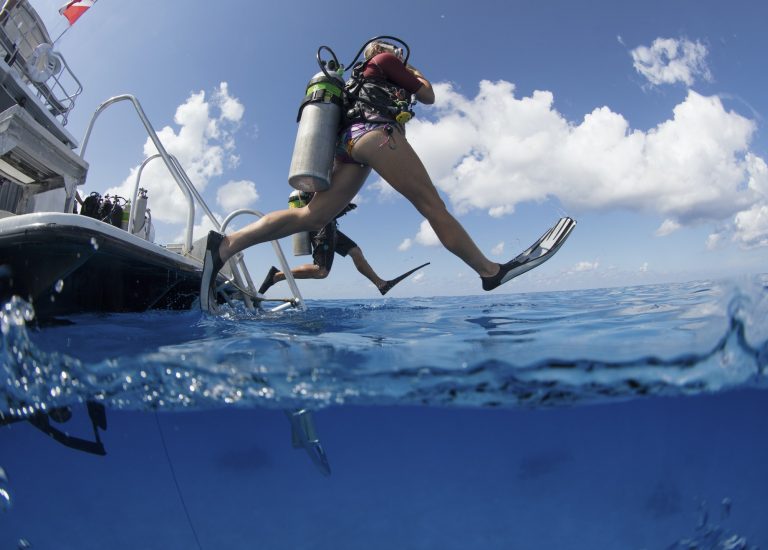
(375, 99)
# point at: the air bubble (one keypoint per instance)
(94, 243)
(59, 286)
(5, 500)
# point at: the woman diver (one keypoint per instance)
(372, 137)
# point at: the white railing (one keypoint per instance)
(240, 274)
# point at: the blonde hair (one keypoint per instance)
(375, 48)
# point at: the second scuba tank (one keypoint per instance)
(301, 244)
(139, 214)
(319, 119)
(126, 215)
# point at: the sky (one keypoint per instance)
(645, 122)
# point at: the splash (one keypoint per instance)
(532, 350)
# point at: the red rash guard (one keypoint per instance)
(387, 66)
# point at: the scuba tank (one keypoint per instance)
(126, 215)
(91, 205)
(110, 211)
(139, 214)
(319, 119)
(301, 244)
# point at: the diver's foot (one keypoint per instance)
(493, 281)
(388, 285)
(269, 280)
(538, 253)
(212, 264)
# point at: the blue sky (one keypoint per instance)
(643, 121)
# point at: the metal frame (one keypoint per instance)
(237, 264)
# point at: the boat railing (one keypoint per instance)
(28, 48)
(240, 272)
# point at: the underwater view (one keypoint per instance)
(610, 418)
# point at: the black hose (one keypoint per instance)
(382, 37)
(322, 63)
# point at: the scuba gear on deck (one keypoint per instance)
(91, 205)
(319, 118)
(110, 211)
(301, 244)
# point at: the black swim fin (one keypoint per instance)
(390, 284)
(538, 253)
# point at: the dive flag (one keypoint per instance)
(73, 9)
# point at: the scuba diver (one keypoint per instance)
(376, 104)
(324, 244)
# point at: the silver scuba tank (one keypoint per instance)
(301, 244)
(139, 211)
(319, 118)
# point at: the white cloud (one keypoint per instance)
(667, 227)
(405, 245)
(231, 109)
(236, 194)
(199, 230)
(498, 250)
(586, 266)
(203, 144)
(669, 61)
(644, 268)
(426, 235)
(751, 226)
(495, 151)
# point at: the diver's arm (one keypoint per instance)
(425, 94)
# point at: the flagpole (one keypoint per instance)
(80, 6)
(62, 34)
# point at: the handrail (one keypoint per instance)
(187, 247)
(280, 256)
(234, 263)
(191, 193)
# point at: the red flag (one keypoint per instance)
(73, 9)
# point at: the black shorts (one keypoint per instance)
(326, 242)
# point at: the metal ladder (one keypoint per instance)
(243, 283)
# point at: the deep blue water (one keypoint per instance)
(613, 418)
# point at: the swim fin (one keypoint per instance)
(389, 284)
(269, 280)
(538, 253)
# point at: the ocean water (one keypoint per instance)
(611, 418)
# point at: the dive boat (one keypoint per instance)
(63, 262)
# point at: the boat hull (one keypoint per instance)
(68, 264)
